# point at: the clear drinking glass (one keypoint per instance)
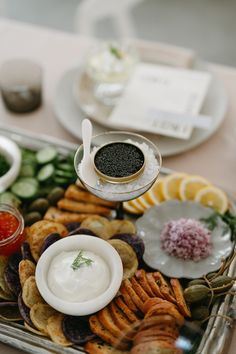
(21, 85)
(110, 65)
(124, 191)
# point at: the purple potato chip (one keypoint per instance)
(24, 311)
(26, 252)
(71, 226)
(13, 262)
(12, 280)
(82, 231)
(9, 311)
(49, 240)
(77, 329)
(134, 241)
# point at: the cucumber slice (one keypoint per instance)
(60, 181)
(65, 167)
(46, 173)
(30, 180)
(10, 198)
(65, 174)
(27, 170)
(25, 188)
(46, 155)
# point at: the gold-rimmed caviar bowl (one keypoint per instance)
(137, 183)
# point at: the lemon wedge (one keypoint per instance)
(170, 185)
(191, 185)
(213, 197)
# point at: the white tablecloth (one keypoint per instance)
(57, 52)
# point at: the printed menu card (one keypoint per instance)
(159, 99)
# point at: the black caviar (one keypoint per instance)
(119, 159)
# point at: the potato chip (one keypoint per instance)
(26, 269)
(39, 231)
(54, 328)
(33, 330)
(30, 293)
(39, 315)
(99, 225)
(5, 296)
(128, 257)
(9, 311)
(123, 227)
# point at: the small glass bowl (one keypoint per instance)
(123, 191)
(12, 243)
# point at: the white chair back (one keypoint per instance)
(89, 12)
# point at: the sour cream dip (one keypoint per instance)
(81, 281)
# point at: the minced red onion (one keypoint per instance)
(187, 239)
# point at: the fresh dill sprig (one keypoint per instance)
(228, 218)
(116, 52)
(80, 260)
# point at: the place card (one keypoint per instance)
(163, 100)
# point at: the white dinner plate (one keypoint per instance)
(70, 115)
(150, 225)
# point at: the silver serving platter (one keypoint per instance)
(217, 336)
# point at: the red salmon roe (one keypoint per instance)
(8, 225)
(11, 230)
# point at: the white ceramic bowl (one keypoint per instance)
(12, 153)
(72, 243)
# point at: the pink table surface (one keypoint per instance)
(58, 52)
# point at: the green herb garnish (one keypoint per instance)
(116, 52)
(228, 218)
(4, 165)
(80, 260)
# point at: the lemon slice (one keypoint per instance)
(130, 209)
(143, 202)
(170, 185)
(213, 197)
(136, 204)
(157, 190)
(191, 185)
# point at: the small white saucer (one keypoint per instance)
(150, 225)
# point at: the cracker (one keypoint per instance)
(26, 269)
(153, 285)
(104, 334)
(64, 217)
(139, 290)
(126, 309)
(81, 207)
(164, 287)
(30, 293)
(181, 303)
(81, 195)
(136, 299)
(54, 329)
(142, 279)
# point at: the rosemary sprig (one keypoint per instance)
(80, 260)
(116, 52)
